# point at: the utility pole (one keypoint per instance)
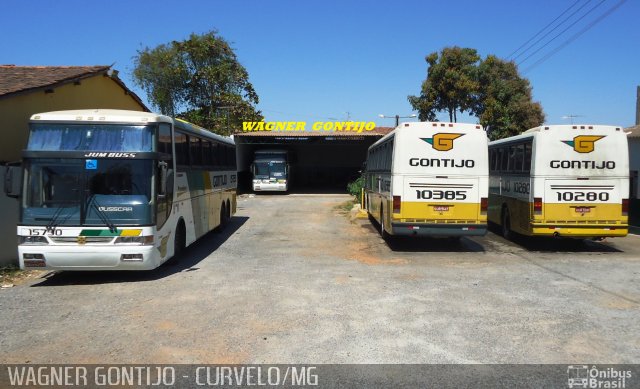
(397, 117)
(572, 117)
(638, 107)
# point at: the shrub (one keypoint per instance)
(355, 187)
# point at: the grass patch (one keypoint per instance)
(12, 275)
(345, 208)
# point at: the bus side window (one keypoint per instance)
(511, 151)
(182, 149)
(164, 138)
(518, 158)
(215, 151)
(229, 155)
(492, 159)
(196, 152)
(206, 153)
(527, 157)
(503, 159)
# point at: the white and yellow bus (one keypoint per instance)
(429, 179)
(561, 180)
(112, 189)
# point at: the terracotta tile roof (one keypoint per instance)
(15, 79)
(377, 131)
(19, 79)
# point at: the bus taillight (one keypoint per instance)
(537, 205)
(397, 201)
(484, 204)
(625, 207)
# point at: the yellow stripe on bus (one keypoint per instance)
(440, 210)
(582, 212)
(130, 232)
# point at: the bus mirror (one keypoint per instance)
(13, 181)
(252, 167)
(162, 192)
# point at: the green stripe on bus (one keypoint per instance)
(99, 233)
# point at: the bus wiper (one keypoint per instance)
(102, 215)
(53, 224)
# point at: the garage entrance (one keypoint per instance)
(320, 161)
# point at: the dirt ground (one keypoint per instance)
(293, 280)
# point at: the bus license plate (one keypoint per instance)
(441, 208)
(583, 209)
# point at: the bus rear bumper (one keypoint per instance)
(579, 231)
(416, 229)
(50, 257)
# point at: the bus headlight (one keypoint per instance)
(32, 240)
(135, 240)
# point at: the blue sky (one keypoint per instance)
(315, 60)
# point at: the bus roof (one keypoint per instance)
(124, 116)
(533, 132)
(412, 126)
(100, 115)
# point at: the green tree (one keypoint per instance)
(451, 84)
(199, 80)
(491, 89)
(504, 103)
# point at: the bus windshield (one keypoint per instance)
(99, 137)
(88, 192)
(270, 169)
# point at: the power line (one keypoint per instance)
(555, 28)
(577, 35)
(544, 28)
(562, 32)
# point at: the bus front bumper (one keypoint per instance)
(417, 229)
(88, 257)
(270, 187)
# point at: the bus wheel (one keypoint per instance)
(383, 232)
(179, 240)
(228, 211)
(223, 217)
(506, 224)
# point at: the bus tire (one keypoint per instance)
(383, 232)
(506, 224)
(228, 211)
(179, 242)
(223, 216)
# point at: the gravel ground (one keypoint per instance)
(291, 280)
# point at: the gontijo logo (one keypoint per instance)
(583, 143)
(442, 141)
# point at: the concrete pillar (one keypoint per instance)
(8, 222)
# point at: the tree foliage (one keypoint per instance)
(451, 83)
(200, 80)
(491, 89)
(505, 105)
